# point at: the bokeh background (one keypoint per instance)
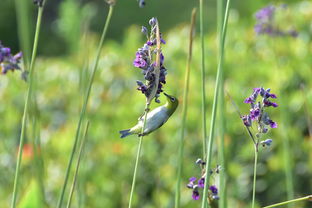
(68, 41)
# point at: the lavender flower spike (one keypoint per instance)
(8, 62)
(257, 112)
(146, 58)
(266, 23)
(265, 14)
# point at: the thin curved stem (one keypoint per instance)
(290, 201)
(184, 111)
(254, 177)
(214, 107)
(26, 106)
(203, 76)
(138, 156)
(85, 103)
(221, 152)
(77, 165)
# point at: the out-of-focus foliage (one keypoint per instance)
(283, 64)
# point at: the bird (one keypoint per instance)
(154, 119)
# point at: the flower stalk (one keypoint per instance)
(221, 149)
(26, 108)
(203, 76)
(254, 177)
(184, 110)
(306, 198)
(149, 97)
(78, 165)
(85, 103)
(214, 106)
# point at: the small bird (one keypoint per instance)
(155, 119)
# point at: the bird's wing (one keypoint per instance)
(155, 119)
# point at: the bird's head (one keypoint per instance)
(172, 103)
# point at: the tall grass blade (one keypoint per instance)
(288, 161)
(214, 106)
(184, 111)
(254, 177)
(306, 198)
(77, 165)
(26, 107)
(85, 103)
(203, 76)
(23, 26)
(221, 152)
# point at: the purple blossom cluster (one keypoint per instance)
(257, 111)
(145, 60)
(8, 61)
(266, 23)
(196, 185)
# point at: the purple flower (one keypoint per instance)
(152, 22)
(192, 179)
(266, 142)
(195, 194)
(254, 113)
(213, 189)
(144, 30)
(150, 43)
(139, 62)
(266, 24)
(273, 124)
(191, 182)
(247, 120)
(273, 96)
(201, 182)
(141, 87)
(257, 111)
(145, 59)
(248, 100)
(8, 61)
(268, 103)
(265, 14)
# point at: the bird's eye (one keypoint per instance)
(172, 99)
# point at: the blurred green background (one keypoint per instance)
(68, 41)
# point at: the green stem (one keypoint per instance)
(202, 37)
(138, 156)
(184, 111)
(254, 177)
(38, 161)
(287, 166)
(85, 103)
(290, 201)
(286, 150)
(221, 152)
(77, 165)
(23, 25)
(26, 106)
(214, 107)
(306, 110)
(147, 107)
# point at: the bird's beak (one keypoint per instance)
(167, 95)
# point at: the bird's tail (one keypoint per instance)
(125, 133)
